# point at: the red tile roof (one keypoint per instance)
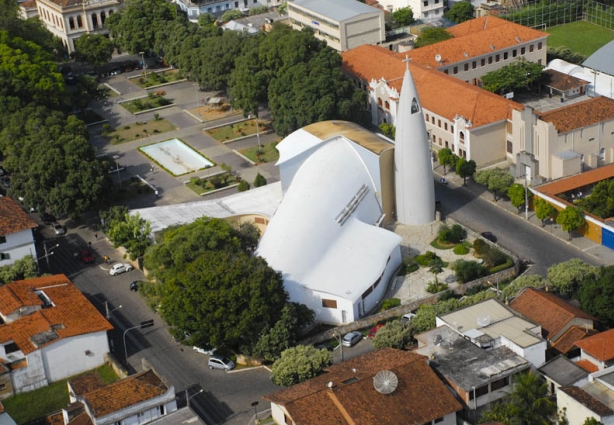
(27, 4)
(12, 218)
(474, 38)
(587, 400)
(588, 366)
(354, 400)
(559, 81)
(71, 313)
(86, 383)
(600, 346)
(547, 310)
(580, 114)
(481, 107)
(125, 393)
(568, 340)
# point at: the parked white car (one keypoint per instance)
(120, 268)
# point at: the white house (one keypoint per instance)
(16, 237)
(137, 399)
(49, 332)
(594, 398)
(325, 236)
(490, 324)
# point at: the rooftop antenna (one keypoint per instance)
(385, 382)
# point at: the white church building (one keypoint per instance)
(340, 183)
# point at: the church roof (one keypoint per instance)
(312, 242)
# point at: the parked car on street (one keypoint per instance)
(222, 363)
(351, 339)
(406, 318)
(325, 346)
(58, 228)
(120, 268)
(86, 256)
(134, 286)
(489, 236)
(374, 330)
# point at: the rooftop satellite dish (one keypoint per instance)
(438, 57)
(483, 320)
(385, 382)
(330, 384)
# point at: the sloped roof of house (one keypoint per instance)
(354, 400)
(473, 39)
(587, 365)
(12, 218)
(563, 371)
(563, 82)
(600, 346)
(124, 393)
(587, 400)
(477, 105)
(69, 314)
(582, 179)
(86, 383)
(547, 310)
(580, 114)
(568, 340)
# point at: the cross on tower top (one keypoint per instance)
(406, 60)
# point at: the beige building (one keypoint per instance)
(70, 19)
(344, 26)
(564, 141)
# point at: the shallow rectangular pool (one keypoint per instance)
(176, 156)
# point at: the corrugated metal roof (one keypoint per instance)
(601, 60)
(337, 10)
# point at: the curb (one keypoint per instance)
(154, 109)
(236, 152)
(246, 369)
(247, 137)
(221, 189)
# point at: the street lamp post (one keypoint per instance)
(190, 397)
(106, 306)
(338, 338)
(47, 253)
(117, 170)
(142, 325)
(144, 64)
(196, 94)
(526, 199)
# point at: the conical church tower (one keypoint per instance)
(414, 186)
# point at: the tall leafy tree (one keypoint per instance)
(460, 12)
(496, 180)
(432, 36)
(566, 278)
(519, 75)
(403, 16)
(95, 49)
(214, 60)
(570, 219)
(298, 364)
(465, 169)
(601, 200)
(597, 295)
(132, 232)
(395, 334)
(135, 26)
(517, 194)
(544, 210)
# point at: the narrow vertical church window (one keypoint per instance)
(414, 106)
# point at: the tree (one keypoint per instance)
(465, 169)
(135, 27)
(466, 271)
(394, 334)
(388, 130)
(132, 232)
(113, 214)
(285, 333)
(592, 421)
(403, 16)
(601, 200)
(231, 15)
(460, 12)
(259, 180)
(495, 179)
(432, 36)
(544, 210)
(519, 75)
(24, 268)
(517, 194)
(528, 404)
(445, 156)
(436, 267)
(531, 280)
(243, 186)
(570, 219)
(206, 19)
(258, 10)
(298, 364)
(282, 8)
(95, 49)
(597, 295)
(567, 278)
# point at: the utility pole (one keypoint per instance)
(526, 199)
(47, 253)
(142, 325)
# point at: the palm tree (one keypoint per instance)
(531, 401)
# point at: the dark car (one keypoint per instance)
(489, 236)
(86, 256)
(325, 346)
(134, 286)
(47, 218)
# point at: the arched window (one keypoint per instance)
(95, 20)
(103, 17)
(387, 105)
(379, 102)
(462, 136)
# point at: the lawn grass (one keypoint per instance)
(268, 153)
(200, 186)
(580, 37)
(242, 129)
(137, 131)
(157, 78)
(145, 104)
(107, 92)
(28, 406)
(435, 244)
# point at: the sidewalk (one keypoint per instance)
(600, 252)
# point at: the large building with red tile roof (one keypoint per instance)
(472, 122)
(70, 19)
(347, 394)
(556, 316)
(16, 237)
(49, 332)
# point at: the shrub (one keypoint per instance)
(390, 303)
(156, 130)
(409, 266)
(243, 186)
(533, 280)
(151, 94)
(509, 263)
(138, 104)
(480, 246)
(450, 235)
(259, 180)
(425, 259)
(106, 128)
(466, 271)
(162, 101)
(126, 127)
(461, 249)
(494, 257)
(156, 116)
(394, 334)
(436, 287)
